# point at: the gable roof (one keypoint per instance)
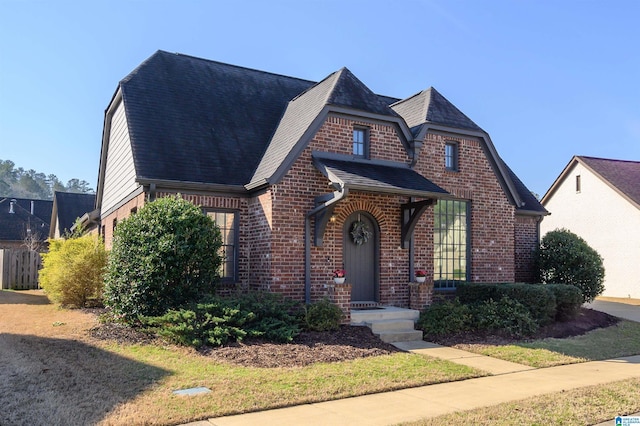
(17, 219)
(621, 175)
(193, 121)
(429, 106)
(67, 207)
(340, 89)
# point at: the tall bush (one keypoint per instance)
(73, 269)
(163, 257)
(565, 258)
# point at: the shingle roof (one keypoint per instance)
(530, 202)
(70, 206)
(375, 177)
(623, 175)
(341, 89)
(196, 120)
(429, 106)
(13, 226)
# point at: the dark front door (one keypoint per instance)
(360, 256)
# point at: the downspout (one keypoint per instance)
(337, 196)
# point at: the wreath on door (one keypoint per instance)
(360, 232)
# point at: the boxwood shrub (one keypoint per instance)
(568, 300)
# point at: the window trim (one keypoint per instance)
(454, 156)
(236, 240)
(578, 184)
(365, 141)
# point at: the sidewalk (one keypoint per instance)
(511, 382)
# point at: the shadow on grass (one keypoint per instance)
(57, 381)
(23, 297)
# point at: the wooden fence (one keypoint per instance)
(19, 269)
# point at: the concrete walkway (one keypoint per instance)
(430, 401)
(622, 308)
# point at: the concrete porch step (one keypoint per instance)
(382, 326)
(400, 336)
(389, 323)
(362, 317)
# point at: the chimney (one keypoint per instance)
(11, 206)
(32, 205)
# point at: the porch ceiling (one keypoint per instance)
(369, 176)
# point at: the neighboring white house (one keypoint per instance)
(599, 200)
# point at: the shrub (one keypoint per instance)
(218, 321)
(323, 316)
(538, 299)
(506, 316)
(163, 257)
(73, 270)
(565, 258)
(446, 318)
(568, 301)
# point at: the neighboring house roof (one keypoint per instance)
(621, 175)
(18, 215)
(196, 121)
(67, 207)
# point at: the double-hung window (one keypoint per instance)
(361, 142)
(227, 222)
(451, 156)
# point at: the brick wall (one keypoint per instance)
(526, 240)
(107, 223)
(492, 215)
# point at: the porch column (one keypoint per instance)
(420, 295)
(340, 294)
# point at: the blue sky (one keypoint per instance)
(546, 79)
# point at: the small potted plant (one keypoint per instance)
(421, 275)
(339, 276)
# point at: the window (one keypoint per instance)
(451, 243)
(451, 156)
(578, 184)
(228, 224)
(360, 142)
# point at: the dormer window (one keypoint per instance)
(360, 142)
(451, 156)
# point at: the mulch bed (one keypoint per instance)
(345, 344)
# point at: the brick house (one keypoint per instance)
(304, 178)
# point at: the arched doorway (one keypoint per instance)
(361, 243)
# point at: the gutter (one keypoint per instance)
(334, 198)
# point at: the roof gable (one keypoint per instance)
(429, 106)
(623, 175)
(340, 89)
(68, 207)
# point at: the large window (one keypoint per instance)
(451, 243)
(228, 224)
(360, 142)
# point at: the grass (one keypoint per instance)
(589, 405)
(240, 389)
(616, 341)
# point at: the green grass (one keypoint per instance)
(616, 341)
(238, 389)
(589, 405)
